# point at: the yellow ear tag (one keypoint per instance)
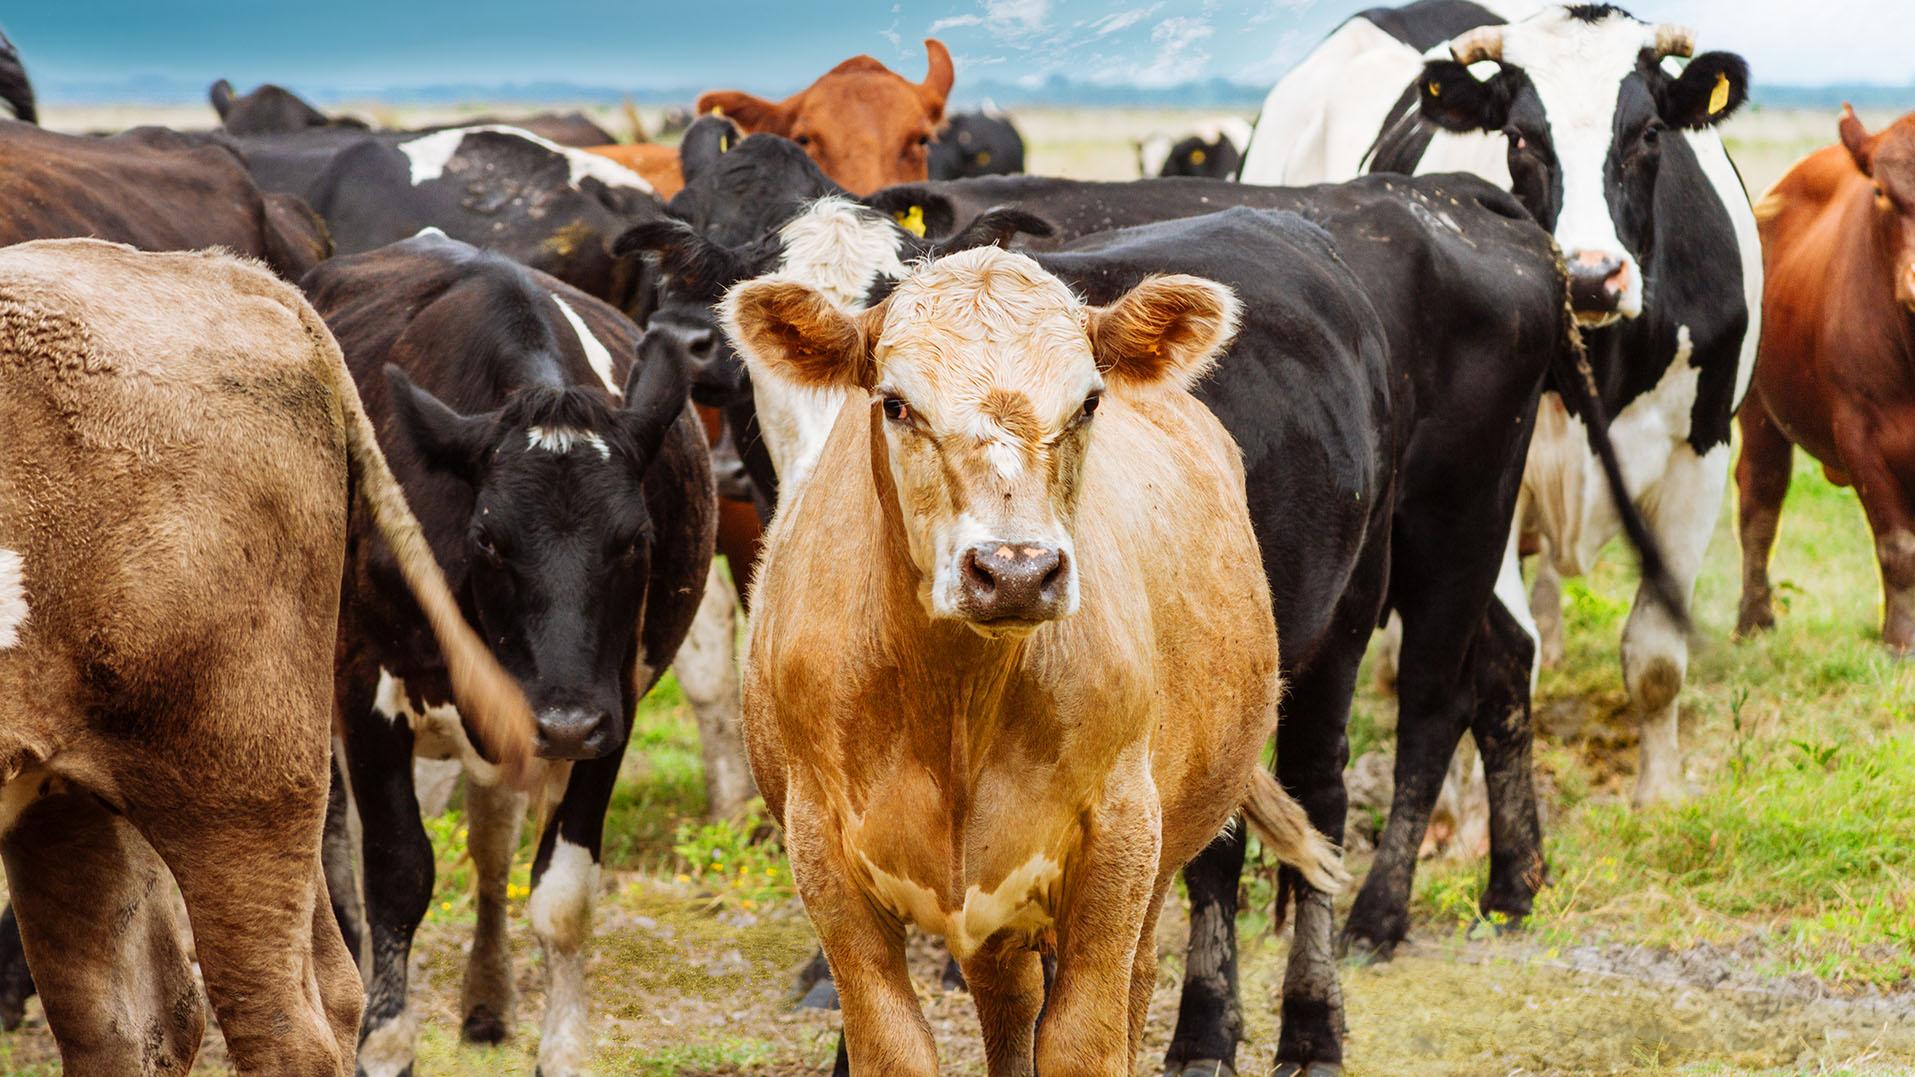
(724, 143)
(1719, 97)
(1436, 89)
(1197, 158)
(911, 220)
(716, 110)
(983, 157)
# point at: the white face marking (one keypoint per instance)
(595, 352)
(428, 155)
(13, 597)
(562, 439)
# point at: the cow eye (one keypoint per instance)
(924, 140)
(896, 410)
(1090, 404)
(482, 540)
(1651, 134)
(803, 140)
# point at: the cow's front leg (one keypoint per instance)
(1681, 513)
(1088, 1017)
(707, 668)
(1891, 517)
(494, 815)
(1546, 608)
(565, 877)
(1007, 985)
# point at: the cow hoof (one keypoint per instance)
(1307, 1069)
(483, 1026)
(822, 996)
(1364, 949)
(1203, 1067)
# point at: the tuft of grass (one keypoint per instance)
(727, 859)
(727, 1055)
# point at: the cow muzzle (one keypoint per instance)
(1603, 287)
(576, 733)
(1008, 585)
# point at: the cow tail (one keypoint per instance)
(487, 696)
(1576, 380)
(1279, 822)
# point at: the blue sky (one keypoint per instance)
(350, 45)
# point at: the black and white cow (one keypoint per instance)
(564, 486)
(1214, 150)
(981, 143)
(1605, 128)
(15, 90)
(550, 207)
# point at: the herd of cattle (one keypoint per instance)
(1036, 491)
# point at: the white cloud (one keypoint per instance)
(952, 22)
(1179, 56)
(1123, 20)
(1004, 19)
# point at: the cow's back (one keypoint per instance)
(174, 484)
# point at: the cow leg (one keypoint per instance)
(1209, 1011)
(342, 882)
(1546, 608)
(97, 915)
(1655, 651)
(494, 816)
(1762, 482)
(397, 866)
(707, 666)
(565, 877)
(16, 983)
(1007, 986)
(1891, 517)
(1502, 665)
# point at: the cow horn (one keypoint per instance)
(1673, 40)
(1482, 43)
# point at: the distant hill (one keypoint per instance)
(1057, 91)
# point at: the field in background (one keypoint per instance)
(1766, 925)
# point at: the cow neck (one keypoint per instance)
(1863, 272)
(973, 671)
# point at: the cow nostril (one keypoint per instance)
(977, 575)
(1056, 574)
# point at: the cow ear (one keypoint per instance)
(446, 440)
(750, 114)
(994, 228)
(1166, 328)
(221, 94)
(699, 268)
(1709, 91)
(704, 143)
(917, 209)
(936, 87)
(1455, 100)
(1855, 138)
(786, 329)
(655, 393)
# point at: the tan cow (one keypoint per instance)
(865, 125)
(179, 443)
(1012, 657)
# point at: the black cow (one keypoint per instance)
(275, 110)
(15, 90)
(1605, 127)
(1214, 150)
(1427, 251)
(551, 207)
(982, 143)
(575, 521)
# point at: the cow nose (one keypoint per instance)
(1014, 581)
(1597, 280)
(574, 733)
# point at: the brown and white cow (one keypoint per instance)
(865, 125)
(1012, 656)
(1836, 370)
(182, 446)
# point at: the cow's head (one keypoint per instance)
(268, 110)
(1887, 158)
(558, 548)
(1585, 97)
(985, 375)
(864, 124)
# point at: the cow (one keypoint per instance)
(275, 110)
(1836, 373)
(981, 143)
(565, 488)
(551, 207)
(1061, 714)
(165, 671)
(1214, 150)
(15, 89)
(1455, 238)
(1605, 127)
(864, 124)
(152, 189)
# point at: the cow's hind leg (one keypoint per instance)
(493, 818)
(1007, 985)
(1209, 1011)
(1655, 650)
(97, 917)
(16, 983)
(1762, 482)
(1503, 662)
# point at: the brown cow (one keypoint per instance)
(1007, 674)
(658, 164)
(1836, 372)
(152, 188)
(182, 445)
(865, 125)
